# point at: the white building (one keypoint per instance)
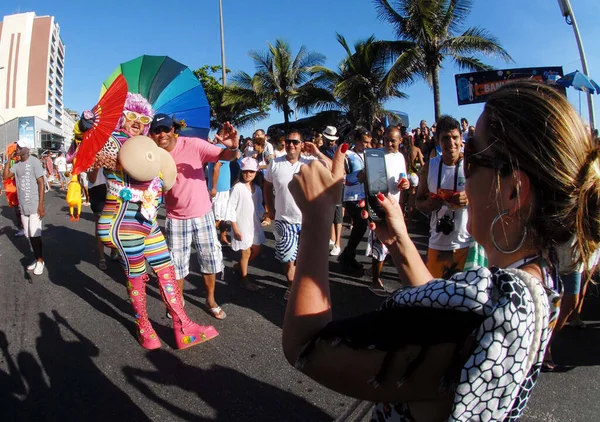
(32, 61)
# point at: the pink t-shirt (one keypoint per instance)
(188, 198)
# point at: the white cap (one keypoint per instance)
(23, 143)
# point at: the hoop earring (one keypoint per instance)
(505, 251)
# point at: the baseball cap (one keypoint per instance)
(23, 143)
(249, 164)
(161, 119)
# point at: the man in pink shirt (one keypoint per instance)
(190, 218)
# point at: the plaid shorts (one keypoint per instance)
(200, 231)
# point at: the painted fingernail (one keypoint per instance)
(344, 148)
(380, 196)
(372, 226)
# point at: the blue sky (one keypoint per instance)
(100, 35)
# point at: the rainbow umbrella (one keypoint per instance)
(170, 87)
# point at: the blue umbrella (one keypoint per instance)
(580, 82)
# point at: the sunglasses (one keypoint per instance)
(477, 159)
(292, 141)
(132, 116)
(161, 129)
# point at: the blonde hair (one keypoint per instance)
(539, 132)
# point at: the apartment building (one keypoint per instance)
(32, 62)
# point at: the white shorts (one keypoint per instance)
(32, 225)
(219, 203)
(375, 248)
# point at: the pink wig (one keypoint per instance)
(138, 104)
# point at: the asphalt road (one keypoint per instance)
(68, 348)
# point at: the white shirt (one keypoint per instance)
(280, 173)
(459, 238)
(280, 153)
(100, 179)
(396, 170)
(61, 164)
(245, 209)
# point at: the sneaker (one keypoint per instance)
(331, 243)
(31, 266)
(335, 251)
(39, 268)
(20, 233)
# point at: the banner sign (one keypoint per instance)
(475, 87)
(26, 130)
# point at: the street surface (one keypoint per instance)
(68, 347)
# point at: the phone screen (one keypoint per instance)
(376, 174)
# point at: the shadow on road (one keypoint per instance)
(76, 389)
(64, 250)
(233, 395)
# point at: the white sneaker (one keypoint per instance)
(20, 233)
(331, 243)
(335, 251)
(31, 266)
(39, 268)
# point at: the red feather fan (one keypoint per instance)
(107, 113)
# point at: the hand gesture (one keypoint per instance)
(404, 184)
(393, 227)
(311, 149)
(230, 137)
(315, 188)
(458, 200)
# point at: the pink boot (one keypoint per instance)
(187, 332)
(136, 287)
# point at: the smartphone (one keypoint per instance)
(376, 181)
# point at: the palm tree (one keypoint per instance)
(280, 78)
(240, 114)
(427, 33)
(360, 86)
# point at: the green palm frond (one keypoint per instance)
(476, 40)
(471, 64)
(426, 32)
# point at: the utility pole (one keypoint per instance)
(567, 12)
(222, 44)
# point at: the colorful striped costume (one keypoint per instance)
(123, 227)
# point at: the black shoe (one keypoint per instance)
(350, 262)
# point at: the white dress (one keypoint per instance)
(245, 208)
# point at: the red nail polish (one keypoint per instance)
(344, 148)
(372, 226)
(380, 196)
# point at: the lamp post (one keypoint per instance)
(567, 12)
(222, 43)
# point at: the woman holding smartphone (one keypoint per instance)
(468, 348)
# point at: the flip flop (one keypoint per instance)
(217, 312)
(379, 291)
(548, 365)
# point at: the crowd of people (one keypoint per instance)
(499, 217)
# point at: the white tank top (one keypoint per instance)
(459, 238)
